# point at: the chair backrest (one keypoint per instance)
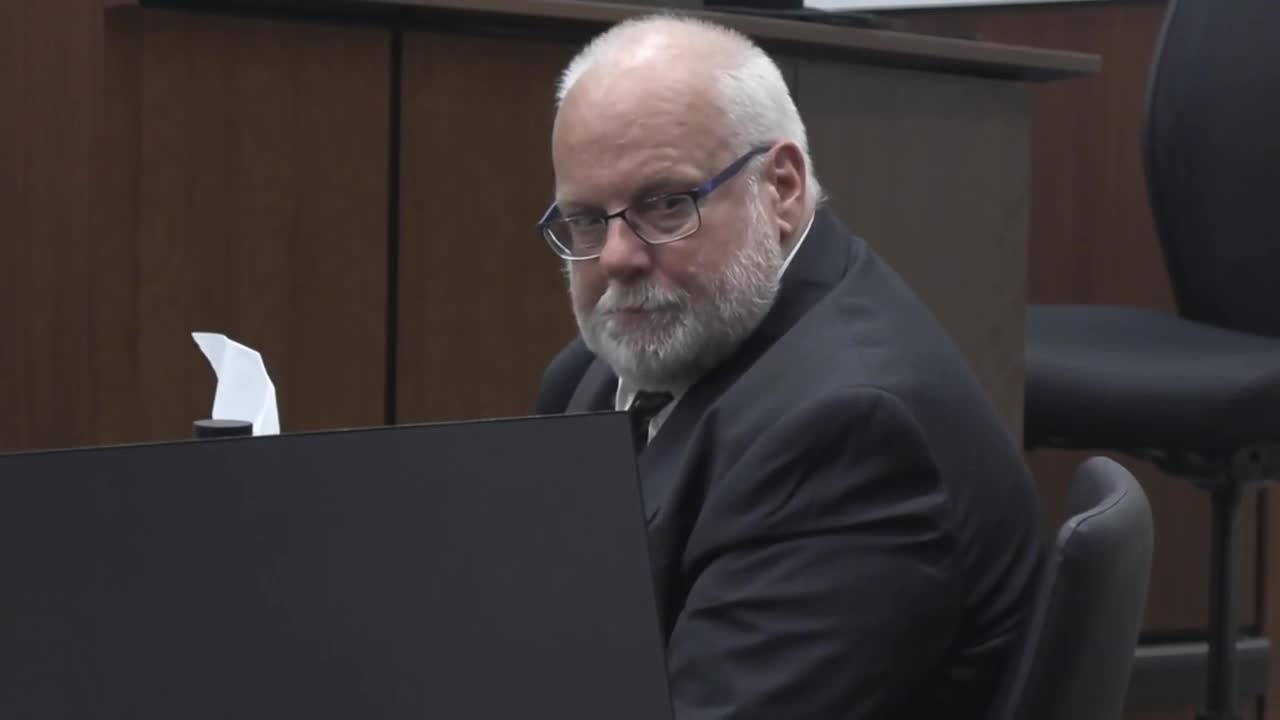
(1078, 649)
(1211, 146)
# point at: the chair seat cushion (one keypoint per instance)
(1130, 379)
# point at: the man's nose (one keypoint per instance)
(624, 255)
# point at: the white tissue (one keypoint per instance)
(244, 390)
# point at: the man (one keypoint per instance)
(840, 527)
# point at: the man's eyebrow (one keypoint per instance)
(651, 188)
(570, 207)
(662, 186)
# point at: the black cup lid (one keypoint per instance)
(210, 428)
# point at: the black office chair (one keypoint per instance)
(1197, 393)
(1075, 660)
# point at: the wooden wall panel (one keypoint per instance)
(50, 102)
(483, 304)
(1092, 241)
(933, 172)
(245, 191)
(1092, 235)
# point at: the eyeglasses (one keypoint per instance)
(657, 220)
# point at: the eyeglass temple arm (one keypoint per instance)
(732, 170)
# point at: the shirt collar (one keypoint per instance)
(791, 255)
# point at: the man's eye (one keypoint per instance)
(582, 222)
(670, 205)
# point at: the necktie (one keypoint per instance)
(644, 408)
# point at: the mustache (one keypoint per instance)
(640, 296)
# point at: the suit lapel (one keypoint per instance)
(821, 261)
(660, 462)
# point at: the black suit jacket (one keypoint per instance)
(840, 525)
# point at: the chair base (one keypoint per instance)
(1220, 690)
(1226, 485)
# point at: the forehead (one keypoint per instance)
(618, 131)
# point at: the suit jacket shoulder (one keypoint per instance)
(561, 378)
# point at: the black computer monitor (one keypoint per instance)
(464, 571)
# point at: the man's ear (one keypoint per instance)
(787, 175)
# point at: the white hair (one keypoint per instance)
(751, 91)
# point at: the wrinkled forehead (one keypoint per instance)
(630, 124)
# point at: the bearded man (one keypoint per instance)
(840, 526)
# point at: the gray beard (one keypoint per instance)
(686, 332)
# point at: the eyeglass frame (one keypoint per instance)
(697, 195)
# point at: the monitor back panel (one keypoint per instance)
(479, 570)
